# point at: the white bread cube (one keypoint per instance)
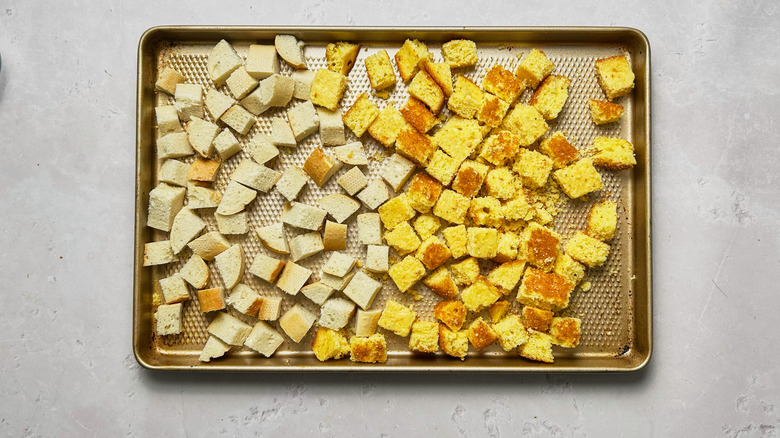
(303, 120)
(261, 149)
(374, 195)
(292, 278)
(167, 119)
(217, 103)
(158, 253)
(291, 50)
(267, 268)
(169, 319)
(164, 203)
(352, 153)
(318, 292)
(334, 237)
(174, 145)
(209, 245)
(353, 181)
(369, 229)
(366, 322)
(262, 61)
(331, 127)
(186, 226)
(296, 322)
(239, 119)
(229, 329)
(213, 349)
(230, 264)
(339, 264)
(335, 313)
(278, 90)
(377, 258)
(338, 283)
(222, 61)
(168, 80)
(255, 176)
(258, 101)
(245, 300)
(274, 238)
(188, 101)
(235, 198)
(281, 133)
(233, 223)
(174, 172)
(202, 197)
(174, 289)
(292, 182)
(303, 80)
(305, 245)
(303, 216)
(271, 309)
(226, 144)
(195, 272)
(264, 339)
(320, 166)
(339, 206)
(397, 170)
(201, 135)
(240, 83)
(362, 290)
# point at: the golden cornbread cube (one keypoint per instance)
(372, 349)
(340, 57)
(329, 344)
(508, 244)
(409, 58)
(565, 332)
(603, 112)
(500, 183)
(460, 53)
(500, 147)
(451, 313)
(486, 211)
(426, 225)
(481, 334)
(456, 238)
(402, 238)
(168, 80)
(426, 90)
(458, 137)
(397, 318)
(455, 344)
(465, 272)
(406, 273)
(533, 168)
(551, 95)
(548, 291)
(579, 179)
(424, 337)
(433, 253)
(507, 275)
(395, 211)
(452, 207)
(602, 221)
(534, 68)
(479, 295)
(441, 73)
(443, 167)
(518, 208)
(613, 153)
(511, 332)
(537, 319)
(441, 283)
(539, 246)
(525, 122)
(327, 88)
(418, 115)
(571, 269)
(559, 150)
(423, 192)
(414, 145)
(360, 115)
(466, 98)
(499, 309)
(469, 178)
(587, 250)
(380, 70)
(503, 83)
(538, 348)
(491, 111)
(387, 125)
(615, 76)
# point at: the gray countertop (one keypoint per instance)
(67, 115)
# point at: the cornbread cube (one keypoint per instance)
(303, 120)
(372, 349)
(508, 245)
(334, 237)
(479, 294)
(211, 299)
(255, 176)
(534, 68)
(548, 291)
(303, 80)
(271, 309)
(226, 144)
(340, 56)
(525, 122)
(503, 84)
(336, 312)
(486, 211)
(433, 253)
(361, 114)
(366, 322)
(387, 125)
(613, 153)
(353, 181)
(406, 273)
(229, 329)
(362, 289)
(469, 178)
(397, 170)
(465, 272)
(331, 127)
(539, 246)
(414, 145)
(460, 53)
(537, 319)
(587, 250)
(380, 70)
(174, 145)
(615, 76)
(327, 88)
(397, 318)
(320, 166)
(240, 83)
(201, 134)
(538, 348)
(188, 101)
(571, 269)
(245, 300)
(511, 332)
(441, 72)
(262, 61)
(481, 334)
(551, 95)
(425, 89)
(491, 110)
(409, 57)
(559, 150)
(443, 167)
(213, 349)
(602, 221)
(426, 225)
(374, 195)
(305, 245)
(169, 321)
(318, 292)
(403, 238)
(506, 276)
(500, 183)
(296, 322)
(424, 337)
(264, 339)
(377, 258)
(158, 253)
(441, 283)
(482, 242)
(164, 204)
(579, 179)
(329, 344)
(459, 137)
(369, 229)
(168, 80)
(452, 207)
(451, 313)
(261, 148)
(500, 147)
(457, 239)
(565, 332)
(466, 98)
(603, 112)
(292, 278)
(222, 61)
(423, 192)
(168, 119)
(455, 344)
(395, 211)
(418, 115)
(267, 268)
(498, 310)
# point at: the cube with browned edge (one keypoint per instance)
(441, 283)
(537, 319)
(551, 96)
(426, 90)
(466, 99)
(503, 83)
(211, 299)
(573, 270)
(424, 337)
(296, 322)
(320, 166)
(361, 114)
(407, 273)
(579, 179)
(565, 331)
(418, 115)
(387, 125)
(587, 250)
(481, 334)
(559, 150)
(451, 313)
(414, 145)
(539, 246)
(499, 309)
(423, 192)
(371, 349)
(603, 112)
(433, 253)
(491, 111)
(548, 291)
(409, 58)
(395, 211)
(454, 343)
(613, 153)
(469, 178)
(479, 295)
(511, 332)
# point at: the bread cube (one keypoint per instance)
(377, 258)
(240, 83)
(387, 125)
(213, 349)
(409, 58)
(168, 119)
(222, 61)
(164, 203)
(481, 334)
(230, 264)
(587, 250)
(339, 264)
(245, 300)
(500, 147)
(374, 195)
(460, 53)
(418, 115)
(486, 211)
(469, 178)
(372, 349)
(369, 229)
(452, 207)
(168, 80)
(261, 149)
(482, 242)
(362, 289)
(451, 313)
(201, 134)
(426, 90)
(397, 170)
(340, 57)
(274, 238)
(331, 127)
(275, 90)
(603, 112)
(296, 322)
(351, 153)
(334, 237)
(551, 95)
(265, 267)
(255, 176)
(579, 179)
(602, 221)
(203, 170)
(281, 133)
(511, 332)
(226, 144)
(526, 123)
(465, 272)
(303, 120)
(507, 275)
(559, 150)
(539, 246)
(407, 273)
(534, 68)
(303, 80)
(291, 182)
(366, 322)
(292, 278)
(329, 344)
(491, 111)
(291, 50)
(340, 207)
(503, 83)
(441, 73)
(209, 245)
(303, 216)
(327, 88)
(229, 329)
(169, 320)
(261, 61)
(361, 114)
(174, 145)
(499, 309)
(235, 198)
(217, 103)
(424, 337)
(380, 70)
(479, 294)
(441, 283)
(615, 76)
(565, 332)
(336, 312)
(158, 253)
(270, 309)
(305, 245)
(395, 211)
(569, 268)
(548, 291)
(433, 253)
(352, 181)
(423, 192)
(538, 348)
(508, 244)
(264, 339)
(613, 153)
(397, 318)
(202, 197)
(466, 98)
(426, 225)
(455, 344)
(188, 101)
(318, 292)
(338, 283)
(537, 319)
(414, 145)
(443, 167)
(457, 240)
(459, 137)
(402, 238)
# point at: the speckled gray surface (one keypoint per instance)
(67, 102)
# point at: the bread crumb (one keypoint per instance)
(585, 286)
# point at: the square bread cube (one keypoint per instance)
(457, 240)
(414, 145)
(213, 349)
(508, 244)
(511, 332)
(296, 322)
(526, 123)
(188, 101)
(551, 95)
(339, 264)
(217, 103)
(615, 76)
(275, 90)
(395, 211)
(397, 170)
(507, 275)
(291, 182)
(255, 176)
(361, 114)
(466, 99)
(441, 283)
(292, 278)
(203, 170)
(372, 349)
(418, 115)
(327, 88)
(338, 283)
(460, 53)
(265, 267)
(491, 111)
(433, 253)
(262, 61)
(565, 332)
(235, 198)
(402, 238)
(443, 167)
(303, 80)
(613, 153)
(397, 318)
(503, 83)
(362, 289)
(559, 150)
(537, 319)
(369, 229)
(534, 68)
(377, 258)
(169, 321)
(240, 83)
(226, 144)
(407, 273)
(499, 309)
(539, 246)
(409, 57)
(423, 192)
(174, 145)
(387, 125)
(168, 80)
(222, 61)
(303, 216)
(334, 237)
(533, 168)
(579, 179)
(271, 309)
(366, 321)
(603, 112)
(201, 135)
(424, 337)
(209, 245)
(441, 72)
(426, 90)
(452, 207)
(500, 147)
(602, 221)
(321, 166)
(303, 120)
(164, 204)
(352, 153)
(426, 225)
(245, 300)
(264, 339)
(261, 149)
(318, 292)
(587, 250)
(465, 272)
(229, 329)
(340, 207)
(329, 344)
(455, 344)
(548, 291)
(374, 195)
(331, 127)
(451, 313)
(281, 133)
(459, 137)
(158, 253)
(481, 334)
(305, 245)
(486, 211)
(352, 181)
(479, 295)
(538, 348)
(380, 70)
(336, 312)
(569, 268)
(230, 264)
(167, 119)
